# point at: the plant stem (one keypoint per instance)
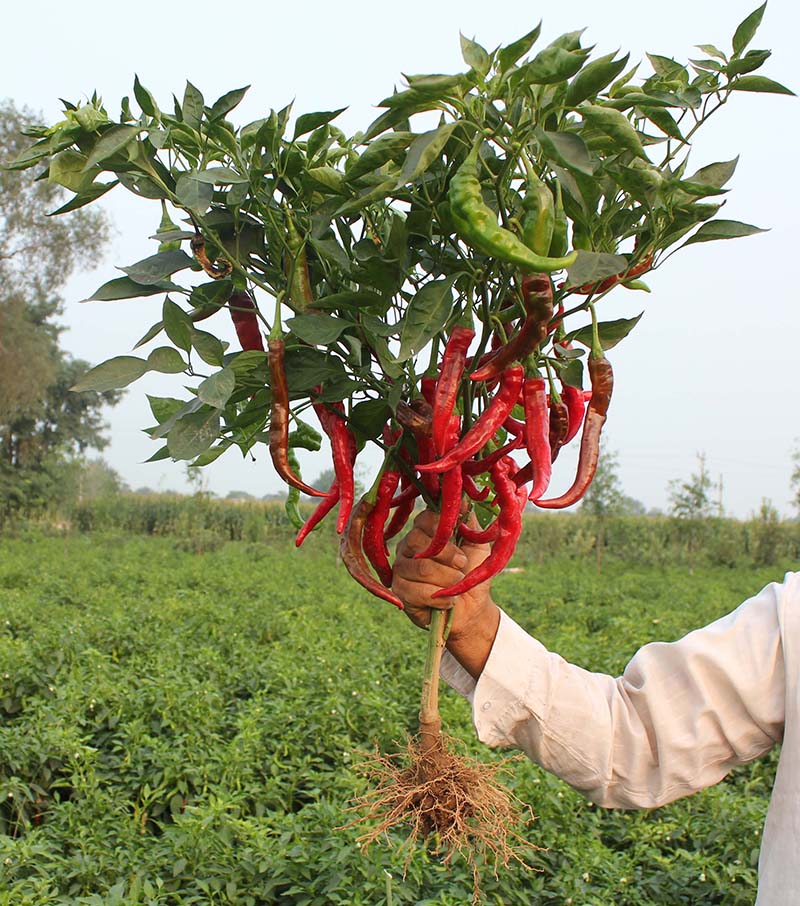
(430, 723)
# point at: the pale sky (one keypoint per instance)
(712, 367)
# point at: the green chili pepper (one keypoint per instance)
(293, 497)
(558, 244)
(476, 223)
(538, 221)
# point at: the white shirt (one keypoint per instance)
(678, 719)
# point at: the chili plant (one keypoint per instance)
(426, 285)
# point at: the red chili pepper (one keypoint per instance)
(576, 406)
(480, 536)
(279, 420)
(343, 450)
(537, 434)
(454, 360)
(509, 529)
(352, 554)
(401, 514)
(471, 488)
(602, 378)
(537, 295)
(323, 508)
(479, 466)
(243, 314)
(559, 426)
(449, 500)
(487, 424)
(374, 540)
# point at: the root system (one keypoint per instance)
(452, 802)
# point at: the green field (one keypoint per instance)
(180, 727)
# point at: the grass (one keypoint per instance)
(180, 727)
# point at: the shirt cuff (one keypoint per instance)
(510, 690)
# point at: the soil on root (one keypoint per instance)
(452, 802)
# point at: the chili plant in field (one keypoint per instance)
(431, 286)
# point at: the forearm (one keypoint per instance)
(678, 719)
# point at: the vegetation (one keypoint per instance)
(181, 728)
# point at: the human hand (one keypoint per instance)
(475, 615)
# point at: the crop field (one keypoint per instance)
(183, 727)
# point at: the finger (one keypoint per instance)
(415, 541)
(428, 572)
(452, 555)
(419, 595)
(426, 522)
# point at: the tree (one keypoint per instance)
(795, 479)
(604, 498)
(693, 502)
(42, 424)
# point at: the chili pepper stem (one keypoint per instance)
(430, 722)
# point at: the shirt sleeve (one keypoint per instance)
(678, 719)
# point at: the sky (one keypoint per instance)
(712, 367)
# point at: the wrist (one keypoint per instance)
(472, 643)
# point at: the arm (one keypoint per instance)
(677, 720)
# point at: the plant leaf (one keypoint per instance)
(308, 122)
(167, 360)
(216, 390)
(760, 84)
(746, 30)
(424, 150)
(508, 56)
(426, 315)
(318, 330)
(116, 139)
(152, 270)
(125, 288)
(193, 434)
(610, 332)
(112, 374)
(723, 229)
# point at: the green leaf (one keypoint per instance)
(746, 30)
(212, 454)
(353, 301)
(125, 288)
(116, 139)
(475, 56)
(364, 199)
(144, 99)
(426, 315)
(192, 106)
(569, 149)
(723, 229)
(665, 122)
(112, 375)
(177, 324)
(591, 267)
(152, 270)
(83, 198)
(308, 122)
(194, 193)
(616, 126)
(716, 175)
(593, 78)
(159, 455)
(760, 84)
(553, 64)
(424, 150)
(164, 407)
(508, 56)
(193, 434)
(752, 60)
(219, 176)
(368, 418)
(712, 51)
(306, 367)
(151, 334)
(318, 330)
(216, 390)
(379, 152)
(611, 332)
(68, 169)
(227, 102)
(209, 347)
(211, 295)
(166, 360)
